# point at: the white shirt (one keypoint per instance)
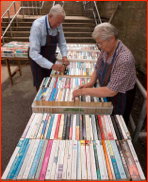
(37, 39)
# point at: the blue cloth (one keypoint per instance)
(37, 39)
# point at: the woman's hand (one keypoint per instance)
(77, 92)
(87, 85)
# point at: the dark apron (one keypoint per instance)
(48, 52)
(122, 103)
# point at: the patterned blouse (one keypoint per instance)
(123, 73)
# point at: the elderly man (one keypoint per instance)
(46, 32)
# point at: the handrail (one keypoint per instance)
(15, 16)
(7, 9)
(119, 4)
(95, 5)
(143, 113)
(97, 12)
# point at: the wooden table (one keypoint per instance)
(8, 59)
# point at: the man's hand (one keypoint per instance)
(58, 67)
(65, 61)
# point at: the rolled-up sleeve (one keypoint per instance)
(62, 42)
(35, 45)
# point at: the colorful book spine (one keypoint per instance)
(94, 129)
(92, 159)
(96, 160)
(74, 160)
(77, 127)
(78, 160)
(69, 162)
(46, 159)
(36, 161)
(37, 175)
(81, 135)
(118, 159)
(136, 159)
(57, 127)
(5, 174)
(114, 162)
(50, 127)
(51, 158)
(88, 160)
(83, 160)
(61, 127)
(64, 174)
(101, 127)
(64, 127)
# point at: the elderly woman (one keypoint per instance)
(115, 70)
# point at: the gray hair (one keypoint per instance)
(57, 9)
(104, 31)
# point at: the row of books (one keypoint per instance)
(38, 159)
(81, 55)
(15, 49)
(58, 91)
(77, 69)
(76, 127)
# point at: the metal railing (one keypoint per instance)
(15, 16)
(91, 7)
(137, 129)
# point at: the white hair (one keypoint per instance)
(104, 31)
(57, 9)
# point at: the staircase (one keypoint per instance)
(76, 27)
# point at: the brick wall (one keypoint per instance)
(6, 4)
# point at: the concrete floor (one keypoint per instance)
(4, 72)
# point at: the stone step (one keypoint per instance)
(4, 24)
(66, 29)
(67, 34)
(69, 20)
(68, 39)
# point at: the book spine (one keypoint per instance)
(64, 174)
(83, 160)
(88, 160)
(36, 161)
(68, 126)
(41, 160)
(130, 161)
(114, 162)
(61, 127)
(109, 132)
(92, 159)
(5, 174)
(136, 159)
(50, 127)
(57, 127)
(122, 129)
(54, 127)
(112, 127)
(90, 125)
(123, 160)
(119, 128)
(59, 169)
(81, 136)
(74, 160)
(87, 127)
(101, 127)
(21, 172)
(96, 160)
(95, 137)
(118, 159)
(116, 129)
(69, 162)
(64, 127)
(31, 158)
(100, 160)
(77, 127)
(55, 160)
(46, 159)
(125, 127)
(51, 158)
(74, 128)
(103, 160)
(107, 158)
(47, 127)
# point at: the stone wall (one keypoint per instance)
(131, 21)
